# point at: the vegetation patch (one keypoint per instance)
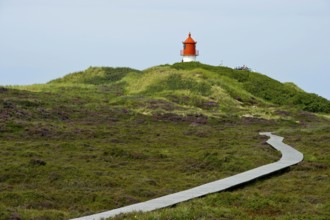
(106, 137)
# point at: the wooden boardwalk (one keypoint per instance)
(289, 157)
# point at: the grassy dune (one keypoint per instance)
(108, 137)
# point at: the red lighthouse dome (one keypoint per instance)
(189, 51)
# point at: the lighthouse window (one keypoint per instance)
(184, 46)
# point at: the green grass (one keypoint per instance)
(110, 137)
(301, 192)
(97, 75)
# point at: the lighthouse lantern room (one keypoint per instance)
(189, 51)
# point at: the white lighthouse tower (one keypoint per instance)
(189, 52)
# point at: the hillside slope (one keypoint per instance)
(217, 86)
(108, 137)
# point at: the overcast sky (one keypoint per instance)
(288, 40)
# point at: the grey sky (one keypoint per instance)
(285, 39)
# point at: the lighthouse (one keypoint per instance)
(189, 51)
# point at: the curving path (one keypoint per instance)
(289, 157)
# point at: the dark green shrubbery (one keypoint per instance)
(279, 93)
(312, 102)
(267, 88)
